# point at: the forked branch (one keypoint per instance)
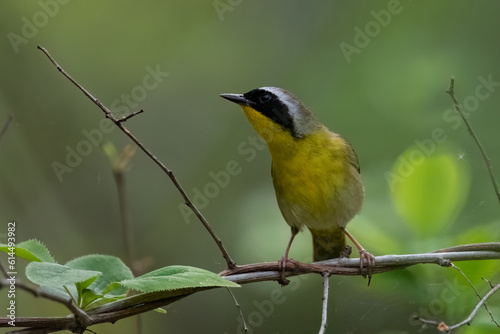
(118, 122)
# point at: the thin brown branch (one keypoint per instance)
(124, 119)
(489, 282)
(458, 108)
(170, 174)
(485, 246)
(81, 319)
(269, 270)
(245, 327)
(104, 314)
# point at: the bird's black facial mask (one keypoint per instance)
(270, 106)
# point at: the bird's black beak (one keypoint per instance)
(236, 98)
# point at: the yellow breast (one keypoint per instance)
(315, 183)
(315, 178)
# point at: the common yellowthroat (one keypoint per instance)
(316, 174)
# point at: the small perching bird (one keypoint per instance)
(316, 174)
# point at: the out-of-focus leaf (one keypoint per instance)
(429, 190)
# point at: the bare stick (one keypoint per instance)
(124, 119)
(324, 313)
(475, 291)
(270, 270)
(485, 246)
(445, 328)
(245, 327)
(118, 123)
(458, 108)
(488, 281)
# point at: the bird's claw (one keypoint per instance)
(282, 263)
(368, 260)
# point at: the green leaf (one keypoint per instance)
(102, 300)
(429, 190)
(112, 268)
(83, 292)
(177, 277)
(87, 297)
(160, 310)
(85, 284)
(111, 287)
(31, 250)
(56, 275)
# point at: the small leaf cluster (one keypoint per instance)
(94, 280)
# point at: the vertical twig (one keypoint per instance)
(458, 108)
(6, 126)
(245, 327)
(120, 166)
(324, 314)
(118, 122)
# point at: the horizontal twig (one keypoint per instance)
(266, 271)
(269, 270)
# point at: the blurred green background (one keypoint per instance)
(374, 71)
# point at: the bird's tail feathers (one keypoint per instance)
(328, 244)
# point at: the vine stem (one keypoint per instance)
(251, 273)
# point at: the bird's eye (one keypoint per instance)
(265, 98)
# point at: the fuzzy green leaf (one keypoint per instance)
(112, 268)
(176, 277)
(31, 250)
(56, 275)
(88, 297)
